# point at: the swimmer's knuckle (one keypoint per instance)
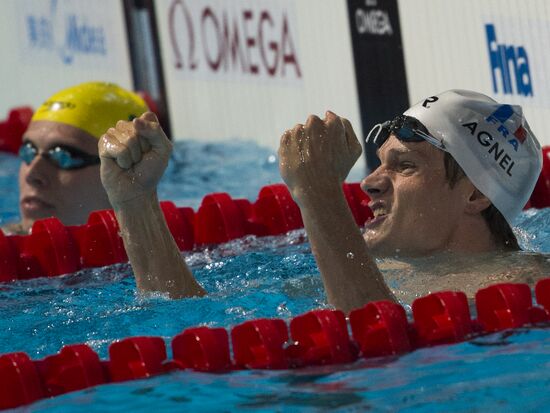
(132, 139)
(285, 138)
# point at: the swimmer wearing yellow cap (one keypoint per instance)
(59, 173)
(93, 107)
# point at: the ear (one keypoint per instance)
(477, 202)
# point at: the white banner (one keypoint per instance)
(52, 44)
(252, 68)
(483, 46)
(242, 41)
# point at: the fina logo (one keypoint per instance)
(69, 37)
(509, 65)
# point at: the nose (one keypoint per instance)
(37, 172)
(376, 183)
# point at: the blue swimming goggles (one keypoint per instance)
(406, 128)
(61, 156)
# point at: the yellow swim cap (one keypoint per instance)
(92, 106)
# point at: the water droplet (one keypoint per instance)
(350, 255)
(283, 311)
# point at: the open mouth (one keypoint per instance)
(380, 213)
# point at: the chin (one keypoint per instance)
(26, 224)
(35, 216)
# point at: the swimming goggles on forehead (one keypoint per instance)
(406, 129)
(61, 156)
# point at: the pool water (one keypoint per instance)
(251, 278)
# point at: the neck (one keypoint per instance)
(472, 236)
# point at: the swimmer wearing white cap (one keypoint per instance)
(455, 170)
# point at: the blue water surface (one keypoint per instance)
(251, 278)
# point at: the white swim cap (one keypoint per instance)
(492, 143)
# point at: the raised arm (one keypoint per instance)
(314, 160)
(134, 156)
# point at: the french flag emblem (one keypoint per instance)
(501, 115)
(520, 134)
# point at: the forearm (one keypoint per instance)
(349, 273)
(153, 253)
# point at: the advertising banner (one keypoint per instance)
(251, 69)
(483, 46)
(379, 64)
(51, 44)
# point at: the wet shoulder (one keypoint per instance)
(414, 278)
(13, 229)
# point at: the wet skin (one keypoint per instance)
(46, 190)
(416, 211)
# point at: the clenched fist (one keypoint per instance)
(134, 155)
(317, 155)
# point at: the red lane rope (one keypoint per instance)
(13, 128)
(318, 337)
(54, 249)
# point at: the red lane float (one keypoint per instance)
(318, 337)
(276, 210)
(507, 305)
(53, 249)
(442, 317)
(381, 329)
(180, 224)
(542, 294)
(20, 383)
(218, 220)
(75, 367)
(201, 349)
(259, 344)
(541, 194)
(358, 202)
(8, 258)
(101, 243)
(13, 128)
(136, 358)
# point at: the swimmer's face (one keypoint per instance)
(416, 211)
(46, 190)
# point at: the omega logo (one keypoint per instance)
(236, 41)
